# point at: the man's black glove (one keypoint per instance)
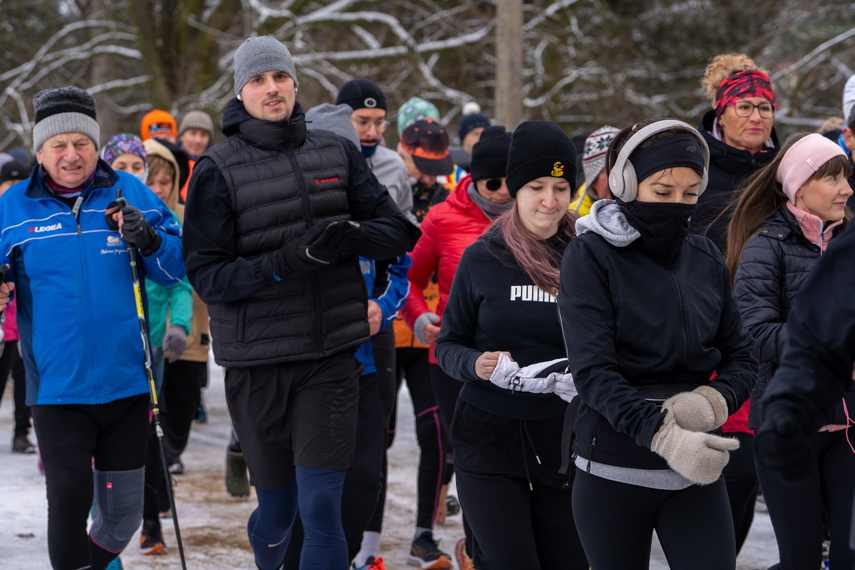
(137, 233)
(783, 442)
(318, 247)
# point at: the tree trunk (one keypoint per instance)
(509, 50)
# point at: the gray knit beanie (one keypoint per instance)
(64, 110)
(257, 55)
(196, 120)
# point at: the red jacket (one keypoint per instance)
(447, 229)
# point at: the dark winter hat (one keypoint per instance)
(361, 94)
(261, 54)
(472, 121)
(490, 154)
(196, 120)
(427, 142)
(64, 110)
(13, 170)
(540, 148)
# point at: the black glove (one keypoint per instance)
(318, 247)
(112, 208)
(336, 241)
(782, 444)
(137, 233)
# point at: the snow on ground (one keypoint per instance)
(213, 523)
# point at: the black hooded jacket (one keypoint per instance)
(729, 167)
(249, 195)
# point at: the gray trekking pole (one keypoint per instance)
(152, 387)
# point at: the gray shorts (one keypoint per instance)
(295, 413)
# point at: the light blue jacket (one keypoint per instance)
(77, 317)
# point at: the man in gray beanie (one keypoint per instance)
(65, 245)
(195, 133)
(275, 219)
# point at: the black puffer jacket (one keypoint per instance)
(772, 269)
(729, 167)
(633, 324)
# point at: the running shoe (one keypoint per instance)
(463, 560)
(452, 506)
(176, 468)
(151, 539)
(425, 553)
(22, 444)
(372, 564)
(116, 564)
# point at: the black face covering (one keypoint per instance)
(663, 226)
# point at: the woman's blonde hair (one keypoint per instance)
(725, 65)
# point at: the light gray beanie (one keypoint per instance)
(196, 120)
(64, 110)
(260, 54)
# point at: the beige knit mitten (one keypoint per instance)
(702, 409)
(699, 457)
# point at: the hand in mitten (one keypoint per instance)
(702, 409)
(175, 341)
(699, 457)
(425, 329)
(136, 232)
(782, 444)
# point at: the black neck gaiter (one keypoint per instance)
(663, 226)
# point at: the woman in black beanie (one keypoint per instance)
(501, 315)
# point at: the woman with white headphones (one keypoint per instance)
(645, 329)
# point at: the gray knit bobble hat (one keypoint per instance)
(196, 120)
(260, 54)
(64, 110)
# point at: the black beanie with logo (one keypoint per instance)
(540, 148)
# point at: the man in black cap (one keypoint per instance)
(275, 219)
(424, 148)
(369, 118)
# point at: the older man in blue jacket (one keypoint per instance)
(65, 242)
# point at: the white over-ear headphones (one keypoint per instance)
(622, 178)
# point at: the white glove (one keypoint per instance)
(509, 376)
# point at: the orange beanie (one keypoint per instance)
(157, 122)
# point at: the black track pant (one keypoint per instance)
(796, 510)
(183, 381)
(412, 365)
(10, 360)
(519, 509)
(114, 434)
(740, 477)
(616, 523)
(362, 480)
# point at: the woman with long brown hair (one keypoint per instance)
(785, 217)
(507, 442)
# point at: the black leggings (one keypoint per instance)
(616, 523)
(515, 499)
(740, 477)
(796, 510)
(114, 434)
(183, 381)
(412, 365)
(10, 360)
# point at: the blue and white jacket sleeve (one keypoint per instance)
(397, 289)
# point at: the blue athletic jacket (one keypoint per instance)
(390, 300)
(77, 317)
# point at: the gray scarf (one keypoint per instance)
(490, 209)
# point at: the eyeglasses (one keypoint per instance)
(745, 108)
(365, 124)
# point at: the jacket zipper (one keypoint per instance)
(681, 310)
(316, 284)
(75, 211)
(593, 444)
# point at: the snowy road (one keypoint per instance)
(213, 523)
